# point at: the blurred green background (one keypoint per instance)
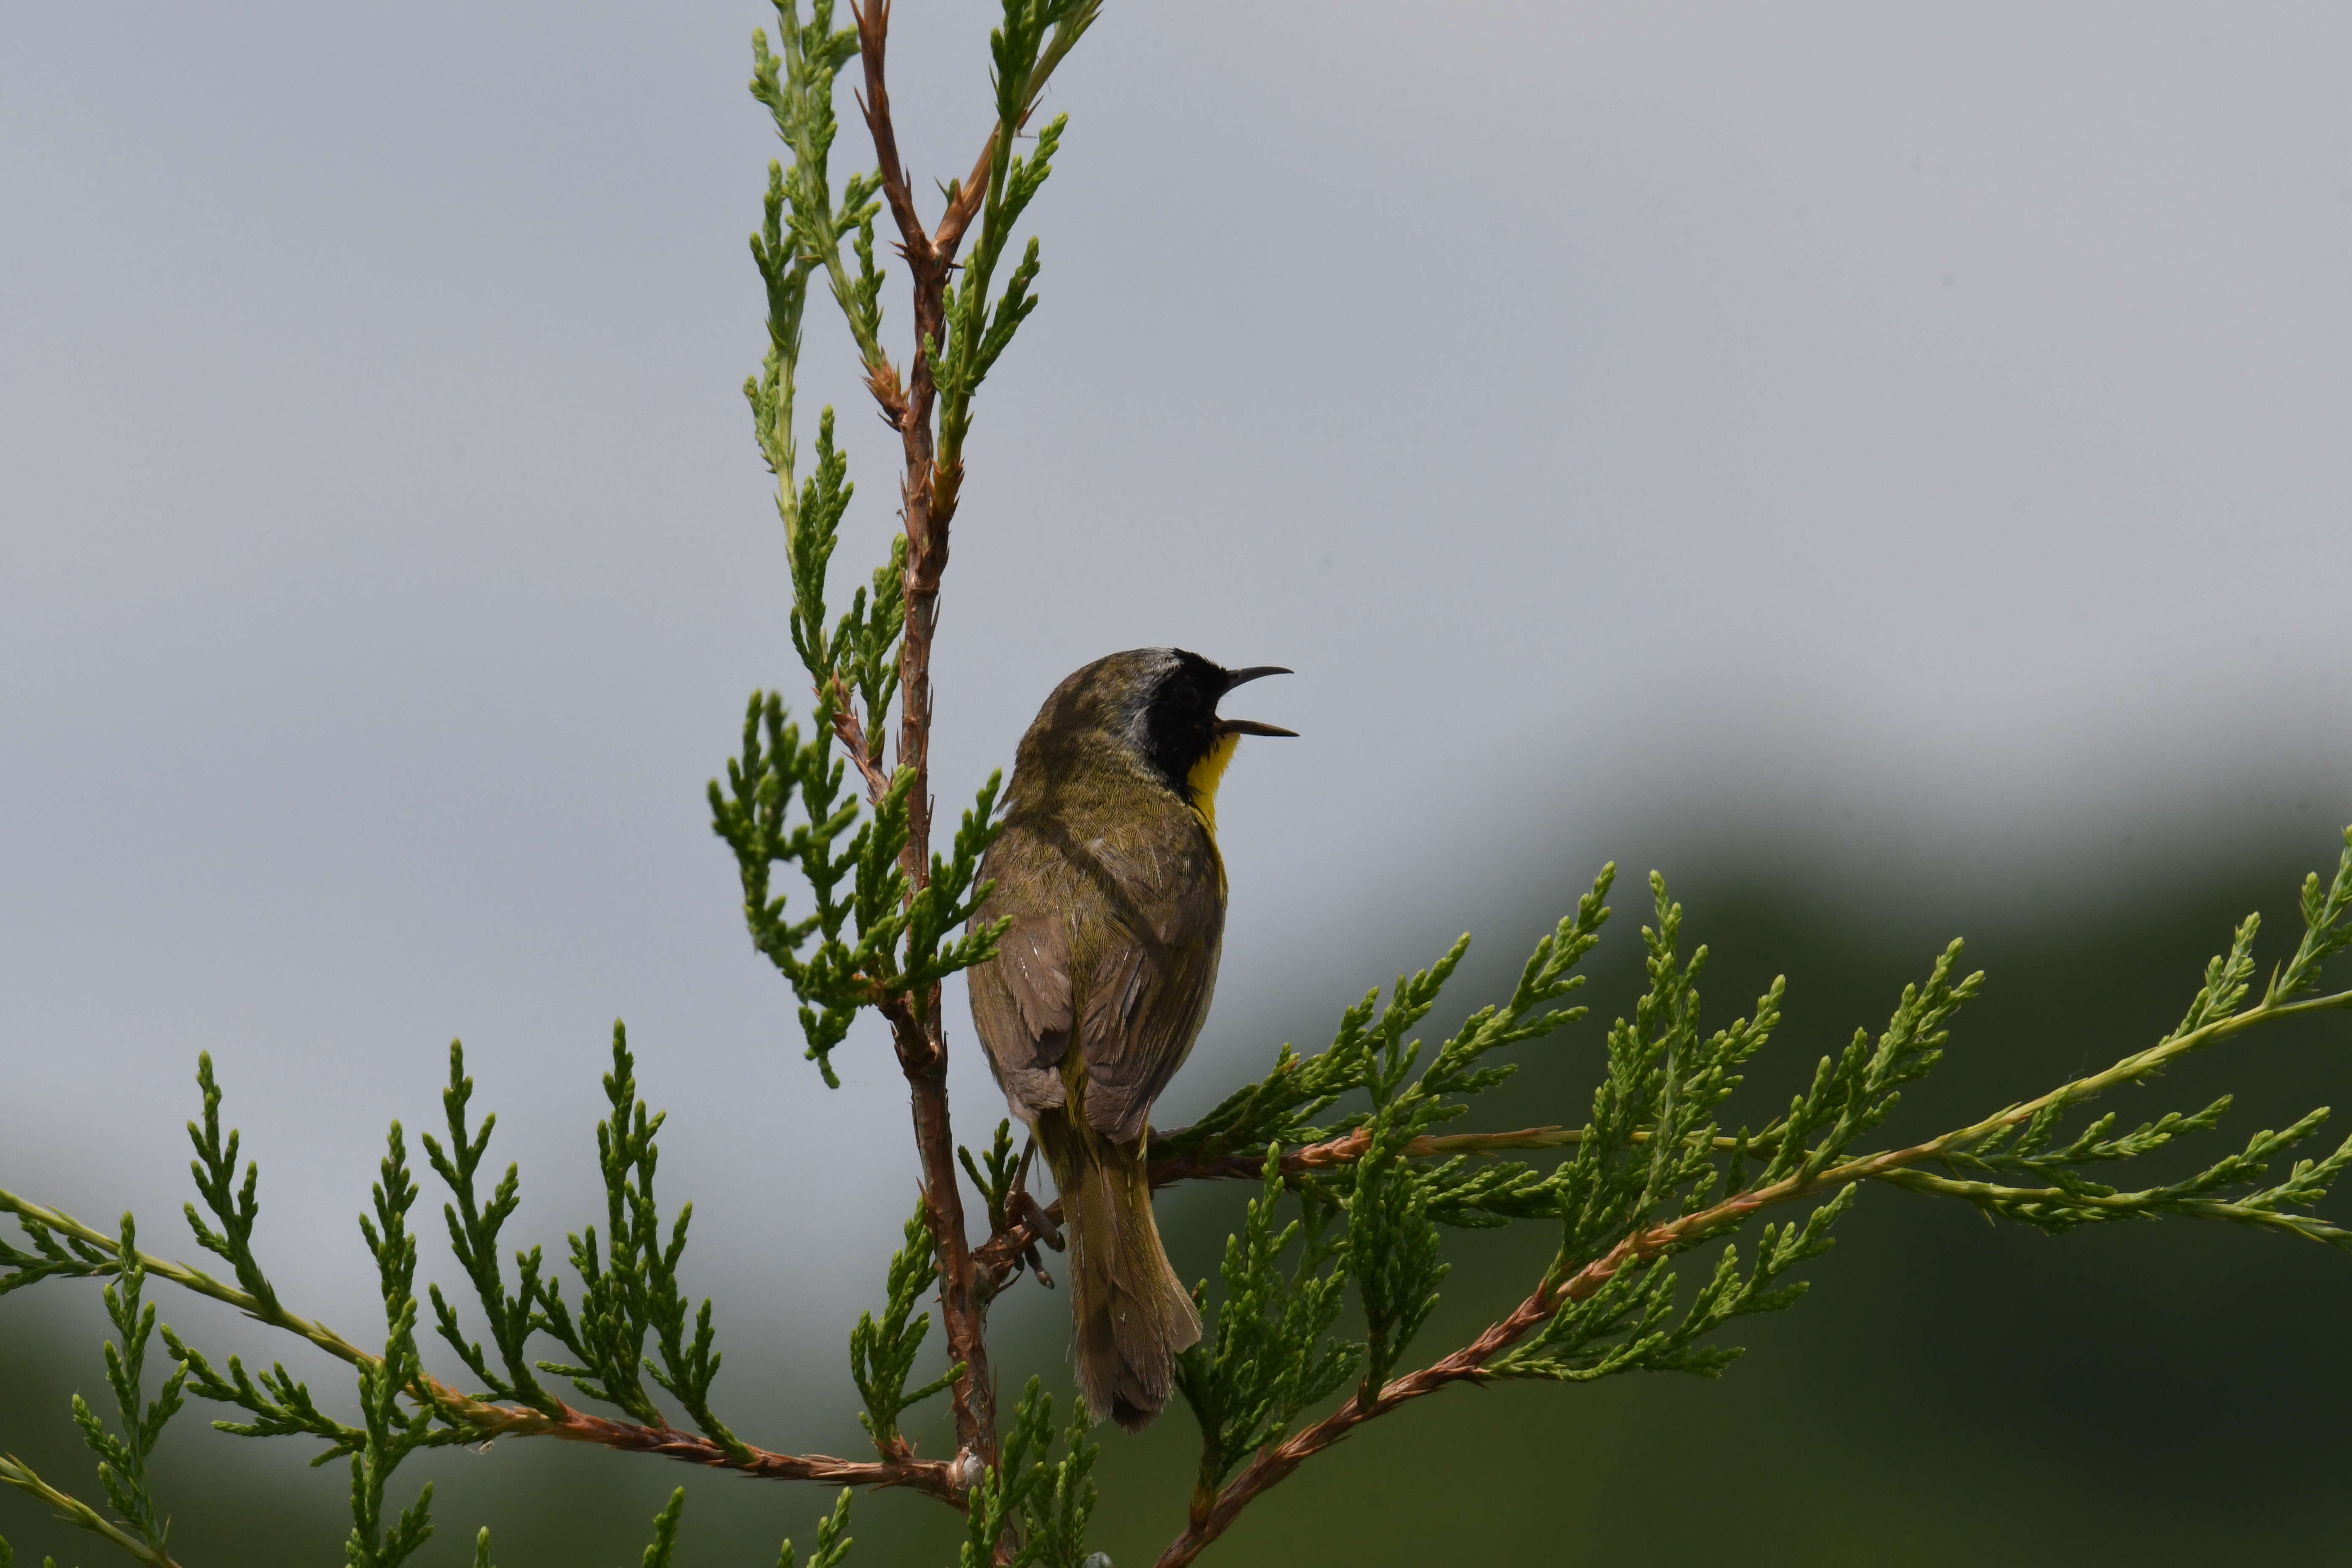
(1948, 1392)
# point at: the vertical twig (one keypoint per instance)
(916, 1031)
(928, 493)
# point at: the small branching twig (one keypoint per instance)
(1269, 1355)
(1029, 1510)
(666, 1522)
(629, 1288)
(474, 1225)
(214, 1168)
(882, 1353)
(16, 1473)
(832, 1539)
(393, 1433)
(608, 1338)
(139, 1527)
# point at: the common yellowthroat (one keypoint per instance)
(1107, 866)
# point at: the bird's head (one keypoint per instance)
(1159, 705)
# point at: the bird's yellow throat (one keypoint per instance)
(1203, 778)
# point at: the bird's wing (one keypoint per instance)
(1155, 968)
(1021, 1002)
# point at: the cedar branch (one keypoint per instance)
(1469, 1364)
(493, 1420)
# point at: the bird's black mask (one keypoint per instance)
(1179, 715)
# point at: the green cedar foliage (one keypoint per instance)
(882, 1353)
(832, 1539)
(1029, 1500)
(215, 1169)
(997, 1183)
(1651, 1174)
(665, 1541)
(629, 1293)
(123, 1460)
(1269, 1353)
(138, 1528)
(630, 1289)
(473, 1224)
(394, 1431)
(1036, 33)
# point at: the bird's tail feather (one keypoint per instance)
(1131, 1313)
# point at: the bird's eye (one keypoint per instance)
(1187, 698)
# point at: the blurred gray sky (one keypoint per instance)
(1903, 446)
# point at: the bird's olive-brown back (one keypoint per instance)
(1117, 896)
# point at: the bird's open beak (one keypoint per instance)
(1251, 726)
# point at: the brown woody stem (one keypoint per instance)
(15, 1472)
(864, 752)
(917, 1032)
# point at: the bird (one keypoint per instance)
(1106, 868)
